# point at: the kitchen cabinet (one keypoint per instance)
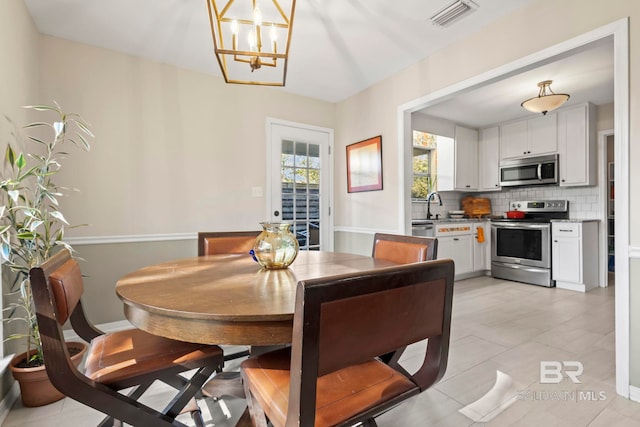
(459, 249)
(530, 137)
(459, 241)
(481, 246)
(466, 155)
(577, 146)
(489, 159)
(458, 161)
(574, 255)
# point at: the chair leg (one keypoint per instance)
(196, 416)
(134, 394)
(193, 386)
(255, 409)
(392, 359)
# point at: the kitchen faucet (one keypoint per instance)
(429, 197)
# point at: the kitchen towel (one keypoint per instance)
(480, 236)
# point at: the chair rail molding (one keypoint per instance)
(133, 238)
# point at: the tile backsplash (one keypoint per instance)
(584, 202)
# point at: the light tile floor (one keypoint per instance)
(499, 329)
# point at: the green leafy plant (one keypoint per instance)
(31, 224)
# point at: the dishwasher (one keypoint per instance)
(422, 228)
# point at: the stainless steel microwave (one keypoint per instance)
(529, 171)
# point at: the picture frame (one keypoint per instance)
(364, 165)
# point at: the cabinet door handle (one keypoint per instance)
(456, 239)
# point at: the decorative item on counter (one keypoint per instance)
(515, 214)
(276, 247)
(456, 214)
(476, 207)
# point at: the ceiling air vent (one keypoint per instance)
(453, 12)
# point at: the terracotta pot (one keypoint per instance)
(515, 214)
(35, 387)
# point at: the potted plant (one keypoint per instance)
(32, 229)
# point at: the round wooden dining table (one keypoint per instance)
(227, 299)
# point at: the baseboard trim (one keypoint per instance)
(9, 399)
(634, 393)
(4, 364)
(135, 238)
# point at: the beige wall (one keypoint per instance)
(374, 110)
(178, 151)
(19, 86)
(175, 150)
(20, 65)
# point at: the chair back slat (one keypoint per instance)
(67, 288)
(232, 242)
(359, 328)
(402, 249)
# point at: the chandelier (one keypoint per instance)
(545, 102)
(251, 39)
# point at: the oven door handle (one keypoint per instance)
(521, 225)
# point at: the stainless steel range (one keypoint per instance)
(521, 248)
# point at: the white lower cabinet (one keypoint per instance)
(459, 241)
(574, 255)
(481, 246)
(459, 249)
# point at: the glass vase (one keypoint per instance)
(276, 247)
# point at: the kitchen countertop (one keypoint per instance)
(575, 220)
(441, 220)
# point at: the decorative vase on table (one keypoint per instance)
(276, 247)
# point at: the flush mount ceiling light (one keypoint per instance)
(251, 39)
(452, 12)
(546, 100)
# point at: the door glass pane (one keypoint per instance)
(287, 153)
(300, 175)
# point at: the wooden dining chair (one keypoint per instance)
(404, 249)
(115, 361)
(331, 376)
(227, 242)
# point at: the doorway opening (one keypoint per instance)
(619, 31)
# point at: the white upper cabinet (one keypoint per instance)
(577, 146)
(466, 159)
(458, 161)
(513, 139)
(531, 137)
(489, 159)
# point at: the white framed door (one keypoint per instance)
(300, 181)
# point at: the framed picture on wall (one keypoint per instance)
(364, 165)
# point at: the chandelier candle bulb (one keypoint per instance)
(274, 38)
(234, 34)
